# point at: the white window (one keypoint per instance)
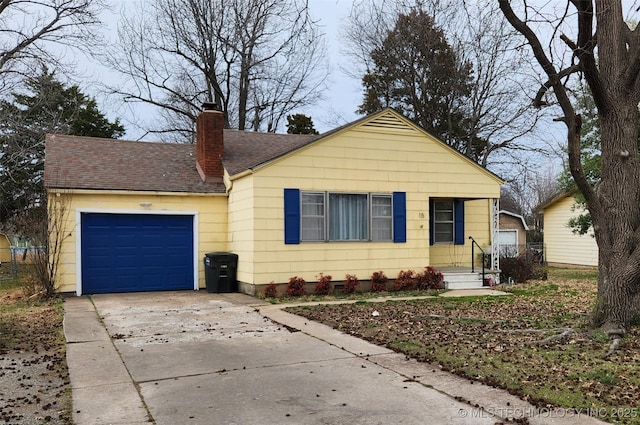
(381, 218)
(443, 222)
(346, 216)
(312, 216)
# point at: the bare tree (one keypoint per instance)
(530, 188)
(496, 110)
(257, 59)
(35, 32)
(47, 226)
(615, 86)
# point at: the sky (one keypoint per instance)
(344, 93)
(341, 99)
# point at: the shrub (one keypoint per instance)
(521, 268)
(379, 281)
(406, 281)
(323, 286)
(295, 287)
(271, 291)
(351, 283)
(30, 286)
(430, 278)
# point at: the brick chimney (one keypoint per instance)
(209, 142)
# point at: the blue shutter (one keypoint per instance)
(432, 222)
(458, 214)
(399, 217)
(292, 216)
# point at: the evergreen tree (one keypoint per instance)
(46, 106)
(300, 124)
(419, 74)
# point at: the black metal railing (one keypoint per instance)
(473, 257)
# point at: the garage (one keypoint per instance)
(136, 252)
(508, 240)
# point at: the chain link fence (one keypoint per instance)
(16, 261)
(8, 263)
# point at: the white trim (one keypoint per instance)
(78, 225)
(495, 229)
(452, 222)
(389, 196)
(133, 192)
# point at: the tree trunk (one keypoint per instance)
(616, 220)
(614, 203)
(243, 92)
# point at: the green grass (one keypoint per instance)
(572, 273)
(533, 290)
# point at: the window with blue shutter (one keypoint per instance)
(446, 221)
(359, 216)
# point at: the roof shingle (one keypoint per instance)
(75, 162)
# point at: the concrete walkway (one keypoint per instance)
(199, 358)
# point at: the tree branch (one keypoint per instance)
(571, 119)
(538, 100)
(566, 332)
(615, 343)
(534, 42)
(584, 51)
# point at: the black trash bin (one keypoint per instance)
(220, 272)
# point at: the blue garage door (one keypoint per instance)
(136, 252)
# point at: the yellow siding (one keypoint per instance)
(241, 226)
(362, 159)
(5, 249)
(561, 245)
(477, 224)
(211, 223)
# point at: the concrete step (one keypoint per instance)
(463, 280)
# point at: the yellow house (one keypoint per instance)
(377, 194)
(562, 246)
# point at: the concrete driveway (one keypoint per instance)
(199, 358)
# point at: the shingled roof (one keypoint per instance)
(246, 150)
(74, 162)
